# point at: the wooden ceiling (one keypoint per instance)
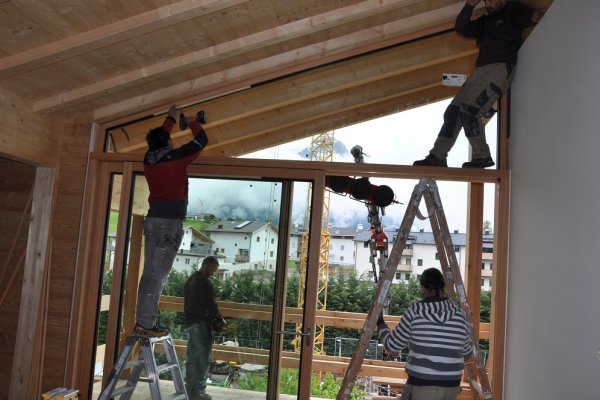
(265, 71)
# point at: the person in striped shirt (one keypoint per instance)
(437, 334)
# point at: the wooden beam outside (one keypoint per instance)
(293, 315)
(33, 281)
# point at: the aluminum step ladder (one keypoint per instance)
(146, 361)
(474, 367)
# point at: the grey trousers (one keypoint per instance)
(162, 238)
(199, 351)
(476, 96)
(411, 392)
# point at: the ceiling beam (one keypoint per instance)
(230, 117)
(394, 31)
(345, 101)
(334, 121)
(97, 38)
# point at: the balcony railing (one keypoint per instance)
(242, 259)
(404, 268)
(338, 319)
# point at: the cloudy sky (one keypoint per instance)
(395, 139)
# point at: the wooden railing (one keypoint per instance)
(338, 319)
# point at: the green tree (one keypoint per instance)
(485, 313)
(487, 226)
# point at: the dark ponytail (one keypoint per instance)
(432, 279)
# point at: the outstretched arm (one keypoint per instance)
(170, 120)
(464, 26)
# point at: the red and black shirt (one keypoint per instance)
(165, 170)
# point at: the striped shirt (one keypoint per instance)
(437, 334)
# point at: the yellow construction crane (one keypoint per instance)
(321, 149)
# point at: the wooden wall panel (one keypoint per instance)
(16, 180)
(65, 234)
(25, 136)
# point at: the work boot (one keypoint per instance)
(156, 331)
(479, 163)
(431, 161)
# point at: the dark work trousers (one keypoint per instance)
(162, 238)
(412, 392)
(475, 97)
(199, 351)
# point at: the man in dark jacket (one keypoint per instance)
(438, 336)
(165, 169)
(202, 317)
(498, 35)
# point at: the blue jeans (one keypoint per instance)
(199, 351)
(162, 238)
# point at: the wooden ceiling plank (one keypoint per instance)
(278, 95)
(334, 121)
(338, 77)
(258, 40)
(256, 72)
(97, 38)
(346, 100)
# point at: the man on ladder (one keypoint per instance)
(438, 331)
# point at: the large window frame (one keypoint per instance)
(102, 164)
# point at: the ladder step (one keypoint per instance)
(161, 369)
(147, 362)
(133, 363)
(176, 396)
(122, 389)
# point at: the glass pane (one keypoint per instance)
(400, 139)
(108, 259)
(361, 236)
(238, 222)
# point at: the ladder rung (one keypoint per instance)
(121, 390)
(176, 396)
(133, 363)
(161, 369)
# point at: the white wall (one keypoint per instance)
(553, 331)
